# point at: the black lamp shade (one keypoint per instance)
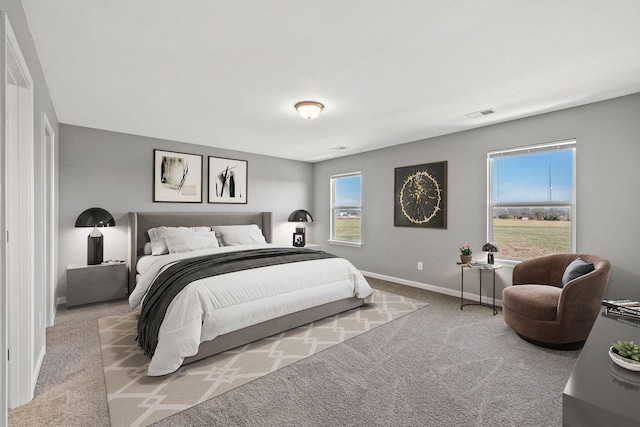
(95, 217)
(490, 247)
(300, 216)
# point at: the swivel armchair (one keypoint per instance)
(543, 311)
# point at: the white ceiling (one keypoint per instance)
(227, 73)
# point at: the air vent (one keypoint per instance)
(340, 148)
(481, 113)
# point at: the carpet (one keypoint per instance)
(439, 366)
(137, 400)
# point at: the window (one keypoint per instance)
(532, 200)
(346, 209)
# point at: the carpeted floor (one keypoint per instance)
(440, 366)
(136, 399)
(70, 390)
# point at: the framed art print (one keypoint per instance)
(299, 240)
(177, 177)
(420, 194)
(227, 180)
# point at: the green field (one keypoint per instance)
(348, 229)
(532, 238)
(516, 238)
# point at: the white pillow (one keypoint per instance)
(147, 248)
(159, 247)
(187, 242)
(157, 237)
(235, 227)
(242, 237)
(159, 232)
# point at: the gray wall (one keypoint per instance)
(608, 152)
(114, 171)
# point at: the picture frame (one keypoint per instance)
(420, 196)
(228, 180)
(299, 240)
(177, 177)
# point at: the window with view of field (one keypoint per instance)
(532, 200)
(346, 208)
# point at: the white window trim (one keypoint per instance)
(345, 243)
(332, 208)
(561, 144)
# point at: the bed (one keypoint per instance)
(286, 295)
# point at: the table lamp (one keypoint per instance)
(490, 248)
(300, 216)
(95, 217)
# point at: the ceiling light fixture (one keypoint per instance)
(309, 109)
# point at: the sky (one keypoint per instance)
(525, 178)
(520, 178)
(347, 191)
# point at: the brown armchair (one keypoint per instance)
(544, 312)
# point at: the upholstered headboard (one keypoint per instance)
(140, 222)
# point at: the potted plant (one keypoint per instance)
(626, 354)
(465, 253)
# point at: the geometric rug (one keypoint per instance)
(134, 399)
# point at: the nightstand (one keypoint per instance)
(94, 283)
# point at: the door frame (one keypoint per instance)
(3, 245)
(49, 218)
(19, 222)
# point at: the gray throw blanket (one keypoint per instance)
(172, 280)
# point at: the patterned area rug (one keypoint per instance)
(135, 399)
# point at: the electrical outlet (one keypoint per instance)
(419, 265)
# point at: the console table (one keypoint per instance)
(480, 267)
(599, 392)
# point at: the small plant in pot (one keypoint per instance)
(627, 349)
(465, 253)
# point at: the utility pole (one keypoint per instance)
(550, 186)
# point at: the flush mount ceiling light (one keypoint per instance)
(309, 109)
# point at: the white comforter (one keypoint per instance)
(217, 305)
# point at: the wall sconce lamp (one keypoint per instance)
(300, 216)
(491, 248)
(95, 217)
(309, 109)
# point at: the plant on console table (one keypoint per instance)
(627, 349)
(626, 354)
(465, 253)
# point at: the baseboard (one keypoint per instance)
(51, 321)
(432, 288)
(61, 300)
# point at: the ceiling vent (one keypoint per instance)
(481, 113)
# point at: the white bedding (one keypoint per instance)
(144, 262)
(222, 304)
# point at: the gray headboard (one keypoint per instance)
(140, 222)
